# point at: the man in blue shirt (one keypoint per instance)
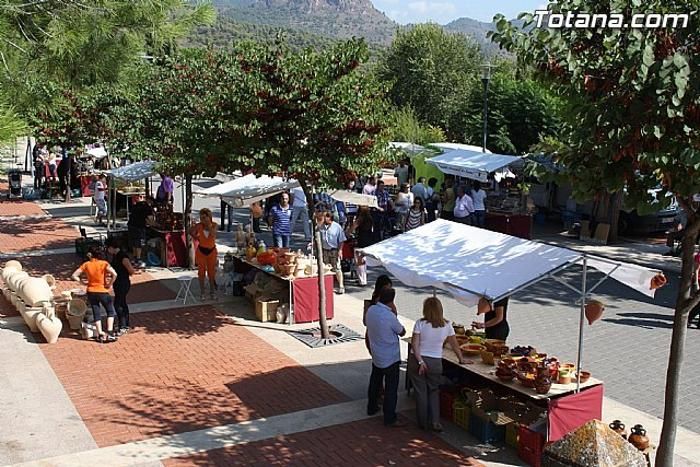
(332, 238)
(281, 221)
(383, 331)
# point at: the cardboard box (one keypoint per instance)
(266, 310)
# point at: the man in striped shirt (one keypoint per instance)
(281, 221)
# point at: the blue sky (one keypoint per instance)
(444, 11)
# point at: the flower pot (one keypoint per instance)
(49, 324)
(75, 313)
(594, 310)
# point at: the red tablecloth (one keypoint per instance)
(305, 296)
(570, 412)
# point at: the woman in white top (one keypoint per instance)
(479, 199)
(404, 201)
(425, 361)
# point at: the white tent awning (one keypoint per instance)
(453, 146)
(409, 148)
(352, 197)
(133, 172)
(469, 262)
(98, 152)
(244, 191)
(471, 164)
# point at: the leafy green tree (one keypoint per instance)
(634, 124)
(405, 126)
(70, 46)
(311, 116)
(178, 117)
(520, 112)
(431, 71)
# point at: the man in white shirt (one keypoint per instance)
(99, 198)
(420, 190)
(479, 198)
(371, 186)
(300, 209)
(464, 206)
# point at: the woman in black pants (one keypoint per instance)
(100, 277)
(122, 265)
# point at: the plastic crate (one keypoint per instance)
(485, 430)
(447, 400)
(512, 435)
(530, 446)
(461, 414)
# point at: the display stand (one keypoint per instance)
(517, 225)
(303, 292)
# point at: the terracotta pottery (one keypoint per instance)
(638, 437)
(29, 315)
(618, 427)
(594, 310)
(585, 376)
(49, 325)
(564, 377)
(14, 278)
(35, 291)
(543, 382)
(658, 281)
(50, 280)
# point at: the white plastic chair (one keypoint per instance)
(185, 290)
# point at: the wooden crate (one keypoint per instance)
(266, 310)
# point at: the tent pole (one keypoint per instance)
(580, 324)
(434, 294)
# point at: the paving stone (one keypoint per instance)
(18, 235)
(181, 370)
(365, 442)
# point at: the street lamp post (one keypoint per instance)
(485, 78)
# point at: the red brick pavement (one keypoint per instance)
(18, 207)
(31, 234)
(6, 308)
(181, 370)
(363, 443)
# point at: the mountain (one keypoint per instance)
(316, 23)
(338, 19)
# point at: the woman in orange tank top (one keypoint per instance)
(205, 255)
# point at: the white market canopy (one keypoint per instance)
(246, 190)
(133, 172)
(476, 165)
(352, 197)
(410, 148)
(469, 262)
(444, 147)
(98, 152)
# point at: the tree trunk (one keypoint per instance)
(614, 215)
(69, 162)
(684, 303)
(188, 219)
(318, 251)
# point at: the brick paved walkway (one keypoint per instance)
(179, 371)
(365, 442)
(6, 308)
(30, 234)
(20, 208)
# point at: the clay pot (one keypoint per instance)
(35, 291)
(49, 325)
(594, 310)
(638, 437)
(10, 268)
(29, 315)
(618, 427)
(50, 280)
(13, 264)
(14, 277)
(584, 376)
(543, 382)
(658, 281)
(564, 377)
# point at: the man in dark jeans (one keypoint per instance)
(140, 217)
(383, 331)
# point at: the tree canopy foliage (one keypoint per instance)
(633, 114)
(431, 71)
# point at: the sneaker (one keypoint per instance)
(340, 291)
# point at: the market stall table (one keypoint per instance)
(515, 224)
(303, 292)
(173, 250)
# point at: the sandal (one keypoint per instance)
(101, 338)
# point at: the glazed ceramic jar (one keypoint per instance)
(638, 437)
